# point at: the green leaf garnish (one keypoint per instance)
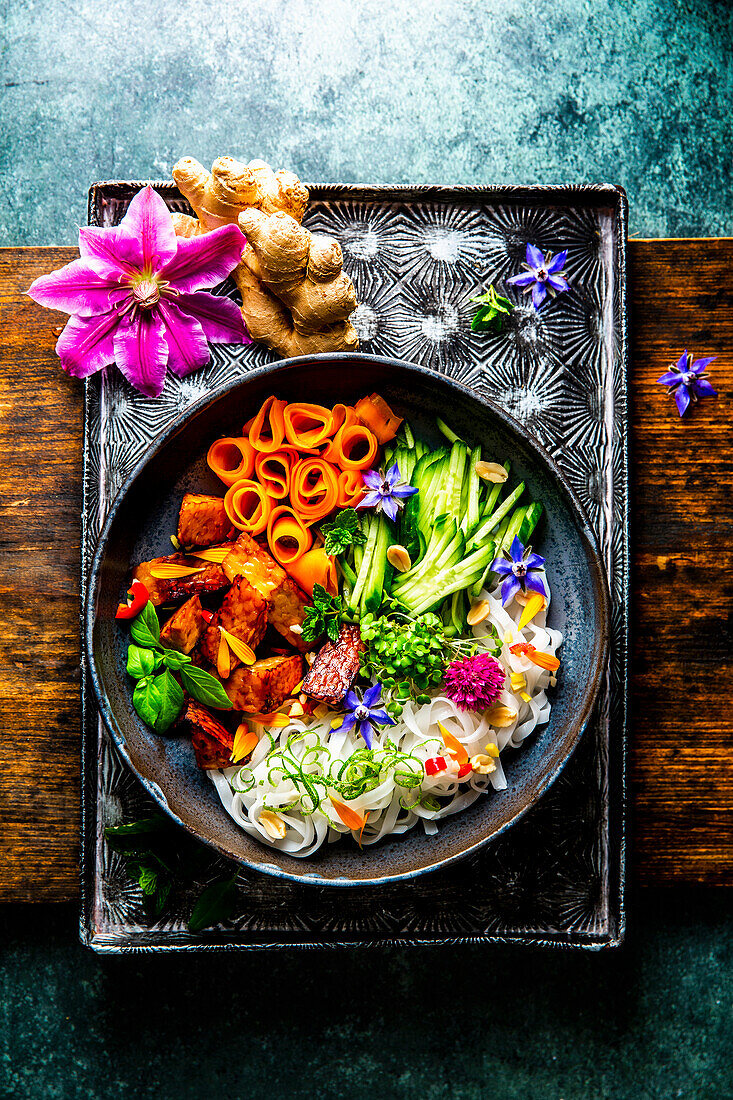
(174, 660)
(147, 701)
(142, 662)
(215, 905)
(343, 532)
(493, 312)
(145, 628)
(171, 695)
(324, 617)
(204, 687)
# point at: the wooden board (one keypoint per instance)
(682, 781)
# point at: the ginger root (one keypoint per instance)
(295, 296)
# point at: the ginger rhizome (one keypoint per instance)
(295, 295)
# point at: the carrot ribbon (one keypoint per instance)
(248, 506)
(231, 459)
(314, 567)
(267, 430)
(287, 535)
(273, 471)
(307, 425)
(313, 489)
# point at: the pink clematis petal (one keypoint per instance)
(220, 318)
(188, 348)
(87, 344)
(148, 219)
(88, 287)
(115, 247)
(141, 352)
(206, 260)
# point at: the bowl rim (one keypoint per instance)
(599, 654)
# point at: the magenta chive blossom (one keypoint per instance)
(135, 296)
(386, 492)
(687, 381)
(542, 276)
(518, 567)
(474, 683)
(363, 712)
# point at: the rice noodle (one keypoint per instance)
(294, 771)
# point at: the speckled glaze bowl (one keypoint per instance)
(144, 515)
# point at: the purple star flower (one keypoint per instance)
(135, 297)
(687, 380)
(543, 275)
(518, 566)
(387, 493)
(362, 713)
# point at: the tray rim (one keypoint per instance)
(617, 822)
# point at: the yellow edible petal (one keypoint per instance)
(534, 604)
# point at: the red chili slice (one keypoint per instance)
(435, 764)
(137, 597)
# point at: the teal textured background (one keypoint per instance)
(500, 91)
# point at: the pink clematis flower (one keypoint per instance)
(135, 296)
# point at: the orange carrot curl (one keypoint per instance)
(248, 506)
(231, 459)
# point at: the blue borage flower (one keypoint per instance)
(386, 492)
(363, 713)
(543, 275)
(687, 381)
(517, 566)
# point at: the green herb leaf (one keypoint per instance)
(324, 617)
(493, 314)
(148, 879)
(143, 827)
(145, 628)
(147, 701)
(171, 694)
(174, 660)
(141, 662)
(204, 687)
(215, 905)
(343, 532)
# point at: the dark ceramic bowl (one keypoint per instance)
(139, 527)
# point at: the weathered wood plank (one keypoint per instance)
(682, 476)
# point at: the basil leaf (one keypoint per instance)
(171, 695)
(148, 879)
(204, 687)
(141, 662)
(215, 905)
(145, 628)
(175, 660)
(142, 827)
(147, 701)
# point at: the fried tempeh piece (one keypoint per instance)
(186, 626)
(243, 613)
(202, 520)
(212, 743)
(248, 559)
(207, 578)
(262, 687)
(335, 667)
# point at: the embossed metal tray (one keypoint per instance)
(416, 256)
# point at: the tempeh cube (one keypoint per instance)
(335, 667)
(186, 626)
(262, 687)
(243, 613)
(212, 743)
(207, 578)
(202, 520)
(248, 559)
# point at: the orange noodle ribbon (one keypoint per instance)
(231, 459)
(313, 489)
(314, 567)
(273, 471)
(248, 506)
(287, 535)
(307, 425)
(267, 430)
(351, 488)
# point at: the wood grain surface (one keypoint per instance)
(680, 766)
